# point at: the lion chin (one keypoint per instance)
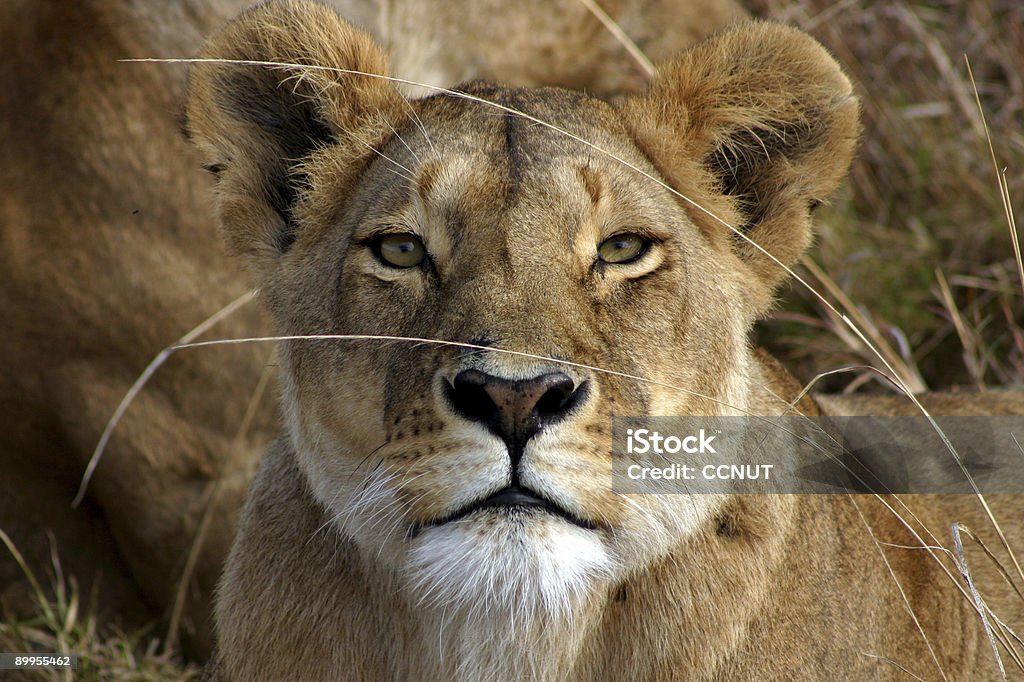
(527, 565)
(500, 584)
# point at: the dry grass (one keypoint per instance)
(65, 623)
(919, 237)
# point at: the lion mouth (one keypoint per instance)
(506, 500)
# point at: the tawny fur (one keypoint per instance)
(110, 253)
(337, 572)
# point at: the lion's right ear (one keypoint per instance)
(761, 121)
(259, 125)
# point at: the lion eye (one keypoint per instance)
(400, 250)
(622, 248)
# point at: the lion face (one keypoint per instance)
(554, 252)
(483, 228)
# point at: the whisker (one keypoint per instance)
(407, 174)
(419, 124)
(405, 144)
(368, 456)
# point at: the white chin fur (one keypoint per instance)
(522, 563)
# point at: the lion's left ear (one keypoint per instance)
(761, 114)
(302, 80)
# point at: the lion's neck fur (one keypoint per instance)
(499, 644)
(500, 610)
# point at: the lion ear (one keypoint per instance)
(258, 125)
(761, 119)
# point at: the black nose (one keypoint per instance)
(514, 410)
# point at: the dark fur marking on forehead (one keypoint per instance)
(456, 225)
(512, 124)
(514, 150)
(592, 182)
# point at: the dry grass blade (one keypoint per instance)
(1004, 188)
(37, 588)
(440, 342)
(967, 339)
(154, 364)
(212, 495)
(896, 664)
(899, 586)
(965, 571)
(904, 373)
(1005, 196)
(613, 27)
(832, 372)
(63, 625)
(1006, 633)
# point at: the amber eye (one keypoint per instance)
(622, 248)
(400, 250)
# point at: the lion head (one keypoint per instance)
(559, 246)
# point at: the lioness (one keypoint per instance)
(436, 512)
(110, 254)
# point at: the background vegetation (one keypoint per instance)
(919, 239)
